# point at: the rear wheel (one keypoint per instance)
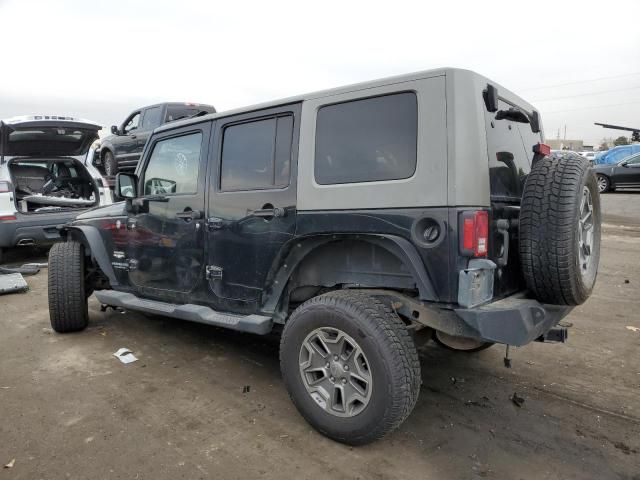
(110, 164)
(68, 310)
(604, 184)
(350, 366)
(560, 231)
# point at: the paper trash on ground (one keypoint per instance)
(125, 355)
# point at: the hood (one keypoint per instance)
(46, 135)
(113, 210)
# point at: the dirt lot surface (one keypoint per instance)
(206, 403)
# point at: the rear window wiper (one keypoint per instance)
(513, 114)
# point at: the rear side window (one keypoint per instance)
(151, 118)
(257, 155)
(367, 140)
(173, 166)
(176, 112)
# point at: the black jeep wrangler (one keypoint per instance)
(352, 220)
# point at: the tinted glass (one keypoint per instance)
(132, 124)
(509, 145)
(633, 160)
(257, 155)
(152, 118)
(176, 112)
(173, 166)
(367, 140)
(284, 137)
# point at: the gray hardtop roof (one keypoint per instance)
(171, 104)
(503, 92)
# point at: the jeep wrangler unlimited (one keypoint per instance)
(350, 219)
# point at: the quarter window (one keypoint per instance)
(257, 155)
(367, 140)
(174, 165)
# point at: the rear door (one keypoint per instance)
(166, 239)
(252, 202)
(151, 118)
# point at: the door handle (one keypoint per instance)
(268, 212)
(215, 223)
(133, 137)
(189, 215)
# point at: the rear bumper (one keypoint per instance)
(514, 320)
(42, 228)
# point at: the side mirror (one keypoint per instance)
(115, 130)
(126, 186)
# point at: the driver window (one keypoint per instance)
(634, 160)
(173, 166)
(132, 124)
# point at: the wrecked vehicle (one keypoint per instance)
(355, 220)
(46, 177)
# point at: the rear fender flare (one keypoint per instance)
(90, 237)
(301, 248)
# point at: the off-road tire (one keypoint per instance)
(385, 340)
(109, 164)
(68, 309)
(549, 233)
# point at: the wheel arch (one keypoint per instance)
(94, 247)
(375, 261)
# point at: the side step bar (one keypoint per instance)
(257, 324)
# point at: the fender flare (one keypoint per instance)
(104, 147)
(398, 246)
(92, 239)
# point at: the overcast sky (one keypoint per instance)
(578, 62)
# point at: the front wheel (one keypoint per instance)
(350, 366)
(604, 184)
(68, 310)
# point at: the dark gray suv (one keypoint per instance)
(352, 221)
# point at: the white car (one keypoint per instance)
(46, 177)
(591, 156)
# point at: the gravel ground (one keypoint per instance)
(202, 402)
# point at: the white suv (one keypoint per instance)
(46, 177)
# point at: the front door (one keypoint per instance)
(126, 143)
(628, 174)
(252, 202)
(166, 238)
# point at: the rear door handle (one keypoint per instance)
(268, 212)
(189, 215)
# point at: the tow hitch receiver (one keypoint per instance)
(556, 334)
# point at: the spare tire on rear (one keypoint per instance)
(560, 231)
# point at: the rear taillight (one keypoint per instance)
(5, 187)
(475, 233)
(7, 217)
(542, 149)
